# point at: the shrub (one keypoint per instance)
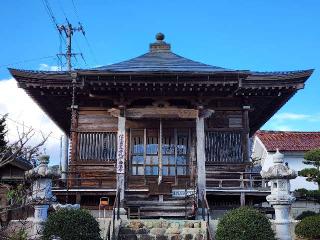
(305, 214)
(313, 195)
(71, 224)
(244, 224)
(309, 227)
(20, 234)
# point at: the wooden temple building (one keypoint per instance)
(162, 132)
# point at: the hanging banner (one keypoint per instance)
(121, 151)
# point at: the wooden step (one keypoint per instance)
(157, 203)
(165, 208)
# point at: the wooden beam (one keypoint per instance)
(158, 112)
(245, 135)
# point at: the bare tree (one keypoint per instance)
(21, 148)
(28, 148)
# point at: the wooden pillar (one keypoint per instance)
(74, 147)
(201, 158)
(64, 160)
(245, 134)
(74, 133)
(242, 199)
(160, 152)
(78, 198)
(121, 152)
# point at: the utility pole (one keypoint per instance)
(68, 30)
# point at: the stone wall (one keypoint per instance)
(163, 229)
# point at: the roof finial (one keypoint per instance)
(160, 36)
(160, 45)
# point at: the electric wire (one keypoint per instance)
(84, 35)
(26, 61)
(24, 125)
(52, 17)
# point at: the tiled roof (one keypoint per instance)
(160, 62)
(289, 141)
(161, 59)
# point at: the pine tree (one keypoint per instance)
(312, 157)
(3, 132)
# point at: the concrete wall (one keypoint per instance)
(294, 159)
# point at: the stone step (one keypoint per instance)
(155, 229)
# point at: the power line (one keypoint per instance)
(25, 61)
(84, 35)
(52, 17)
(82, 57)
(80, 28)
(24, 125)
(64, 13)
(75, 10)
(68, 30)
(90, 49)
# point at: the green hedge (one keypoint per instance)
(309, 228)
(244, 224)
(71, 224)
(305, 214)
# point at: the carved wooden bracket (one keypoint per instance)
(206, 113)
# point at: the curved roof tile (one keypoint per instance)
(289, 141)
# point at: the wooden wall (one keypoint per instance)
(94, 166)
(225, 132)
(96, 120)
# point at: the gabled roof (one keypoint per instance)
(20, 163)
(289, 141)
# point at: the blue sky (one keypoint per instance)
(249, 34)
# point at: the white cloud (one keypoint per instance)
(46, 67)
(296, 116)
(289, 121)
(22, 109)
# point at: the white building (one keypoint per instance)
(293, 145)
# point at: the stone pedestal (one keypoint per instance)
(282, 221)
(280, 197)
(40, 216)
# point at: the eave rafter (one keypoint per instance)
(266, 92)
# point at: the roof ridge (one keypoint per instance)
(279, 131)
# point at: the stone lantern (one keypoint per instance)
(280, 198)
(41, 196)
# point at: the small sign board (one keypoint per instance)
(182, 193)
(104, 201)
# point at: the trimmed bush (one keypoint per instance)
(71, 224)
(244, 224)
(309, 228)
(305, 214)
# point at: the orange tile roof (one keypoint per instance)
(289, 141)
